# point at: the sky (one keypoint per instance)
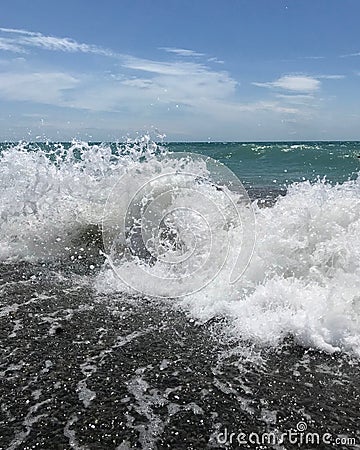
(199, 70)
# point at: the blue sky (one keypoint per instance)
(192, 70)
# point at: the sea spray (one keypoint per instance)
(52, 194)
(303, 278)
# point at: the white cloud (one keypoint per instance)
(190, 86)
(186, 89)
(38, 87)
(296, 98)
(215, 60)
(293, 83)
(200, 92)
(312, 57)
(17, 31)
(350, 55)
(267, 106)
(182, 93)
(331, 77)
(178, 68)
(184, 81)
(10, 45)
(191, 53)
(181, 51)
(141, 83)
(21, 40)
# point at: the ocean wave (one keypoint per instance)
(304, 277)
(301, 282)
(52, 195)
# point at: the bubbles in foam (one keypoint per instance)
(303, 280)
(167, 224)
(50, 194)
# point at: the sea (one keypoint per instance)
(200, 295)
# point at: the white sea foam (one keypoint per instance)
(303, 279)
(48, 198)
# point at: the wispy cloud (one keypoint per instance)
(167, 84)
(21, 40)
(330, 77)
(216, 60)
(38, 87)
(10, 45)
(162, 68)
(311, 57)
(18, 31)
(184, 81)
(350, 55)
(185, 89)
(302, 84)
(182, 51)
(296, 98)
(293, 83)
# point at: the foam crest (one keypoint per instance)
(50, 195)
(166, 231)
(303, 280)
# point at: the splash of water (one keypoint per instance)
(302, 282)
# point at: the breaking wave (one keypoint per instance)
(302, 281)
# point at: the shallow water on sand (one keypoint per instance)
(88, 371)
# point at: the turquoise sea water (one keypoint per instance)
(280, 163)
